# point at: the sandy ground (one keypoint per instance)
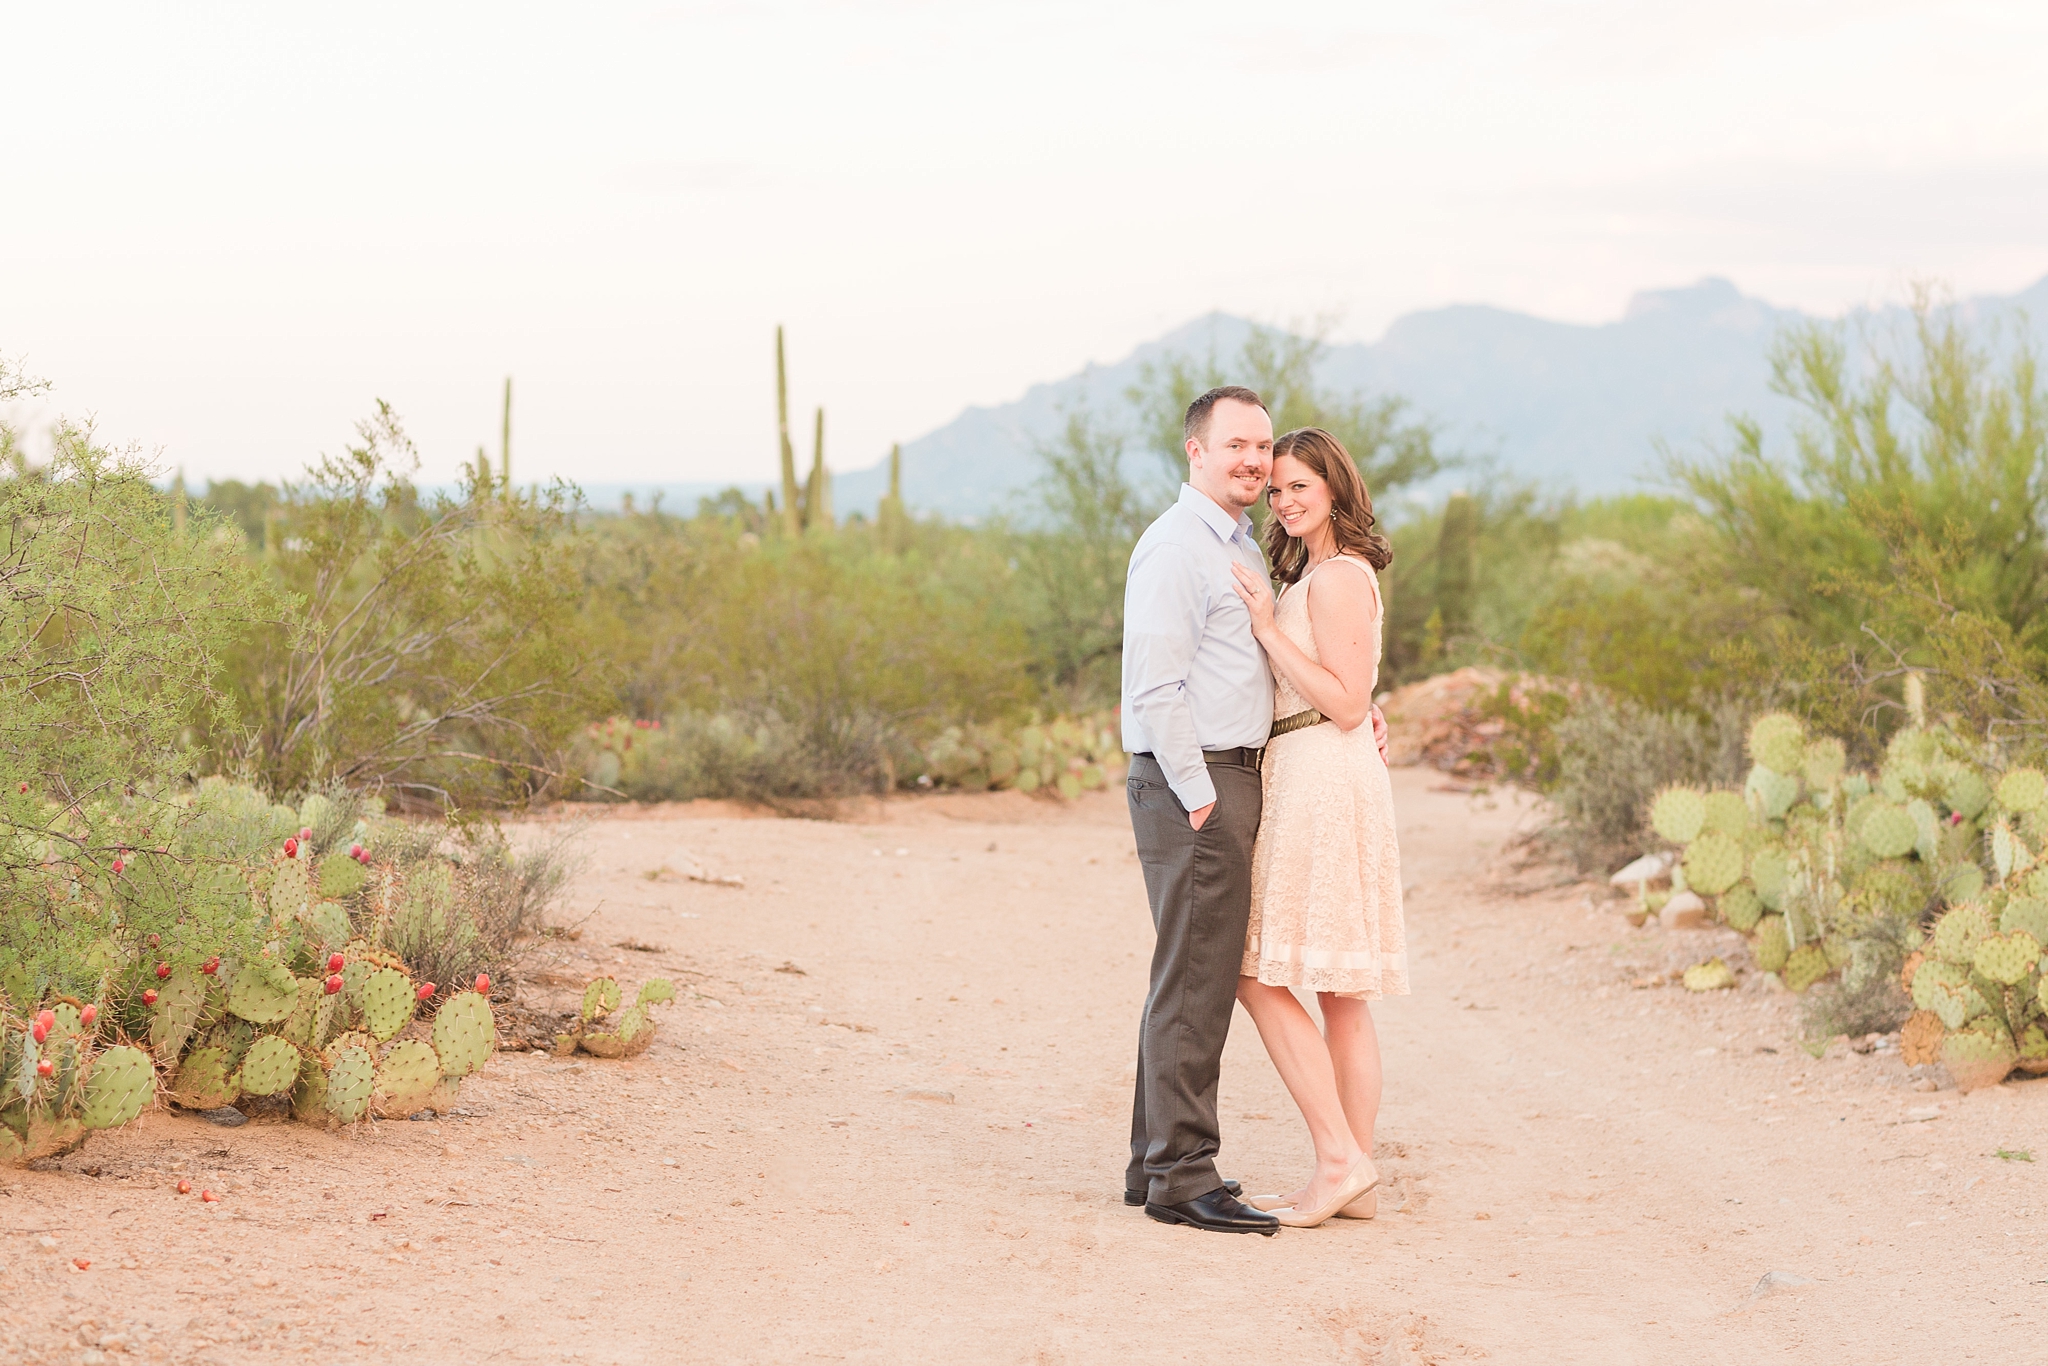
(886, 1121)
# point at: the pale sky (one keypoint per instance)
(228, 229)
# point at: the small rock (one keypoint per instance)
(728, 1062)
(1685, 911)
(420, 1115)
(935, 1097)
(451, 1151)
(46, 1242)
(1648, 868)
(1776, 1283)
(227, 1116)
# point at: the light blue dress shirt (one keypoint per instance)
(1194, 678)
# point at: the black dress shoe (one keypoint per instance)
(1218, 1211)
(1137, 1198)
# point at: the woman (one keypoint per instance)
(1326, 874)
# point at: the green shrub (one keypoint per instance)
(1615, 754)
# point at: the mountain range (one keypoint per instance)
(1569, 406)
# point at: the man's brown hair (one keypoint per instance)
(1195, 425)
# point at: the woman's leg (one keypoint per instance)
(1355, 1059)
(1303, 1061)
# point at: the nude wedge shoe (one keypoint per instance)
(1357, 1184)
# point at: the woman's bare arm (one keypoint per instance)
(1342, 609)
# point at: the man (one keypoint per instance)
(1197, 707)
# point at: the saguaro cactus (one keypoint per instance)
(818, 491)
(505, 441)
(792, 512)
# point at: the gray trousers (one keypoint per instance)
(1200, 885)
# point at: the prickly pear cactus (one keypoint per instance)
(179, 999)
(1713, 864)
(600, 998)
(1772, 792)
(2028, 914)
(330, 924)
(1778, 742)
(465, 1034)
(1772, 947)
(351, 1077)
(298, 1026)
(264, 992)
(1741, 907)
(386, 1002)
(1823, 763)
(1920, 1038)
(1768, 870)
(270, 1066)
(205, 1080)
(1978, 1056)
(341, 876)
(290, 888)
(1712, 975)
(1958, 933)
(406, 1078)
(1805, 965)
(2007, 958)
(1888, 832)
(2023, 789)
(1679, 813)
(119, 1087)
(1727, 813)
(1944, 988)
(655, 991)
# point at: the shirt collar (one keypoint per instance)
(1224, 524)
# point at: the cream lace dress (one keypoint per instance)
(1326, 871)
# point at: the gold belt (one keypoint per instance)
(1301, 720)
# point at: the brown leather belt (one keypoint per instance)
(1244, 756)
(1301, 720)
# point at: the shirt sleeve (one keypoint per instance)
(1165, 611)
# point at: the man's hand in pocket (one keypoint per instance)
(1200, 814)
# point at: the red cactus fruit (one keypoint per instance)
(47, 1018)
(45, 1068)
(149, 997)
(24, 787)
(483, 982)
(305, 834)
(363, 858)
(210, 966)
(163, 970)
(335, 962)
(334, 984)
(120, 866)
(88, 1015)
(209, 1197)
(184, 1188)
(355, 851)
(426, 990)
(291, 847)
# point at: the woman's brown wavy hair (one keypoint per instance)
(1351, 514)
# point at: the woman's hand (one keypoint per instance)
(1258, 598)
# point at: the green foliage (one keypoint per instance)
(437, 651)
(1616, 755)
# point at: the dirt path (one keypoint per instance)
(887, 1121)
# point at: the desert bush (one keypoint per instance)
(434, 651)
(1614, 755)
(756, 757)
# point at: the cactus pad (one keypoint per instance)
(1772, 792)
(1957, 933)
(351, 1076)
(298, 1026)
(1741, 907)
(465, 1035)
(1727, 813)
(328, 1018)
(341, 876)
(1945, 989)
(406, 1077)
(1679, 813)
(635, 1033)
(2023, 789)
(1978, 1057)
(1713, 864)
(655, 991)
(2007, 958)
(2025, 913)
(1920, 1038)
(386, 1001)
(1824, 761)
(1778, 742)
(264, 992)
(122, 1081)
(1771, 946)
(1963, 790)
(270, 1066)
(1712, 975)
(1806, 965)
(600, 998)
(290, 888)
(178, 1002)
(309, 1096)
(330, 923)
(1768, 871)
(205, 1081)
(1888, 832)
